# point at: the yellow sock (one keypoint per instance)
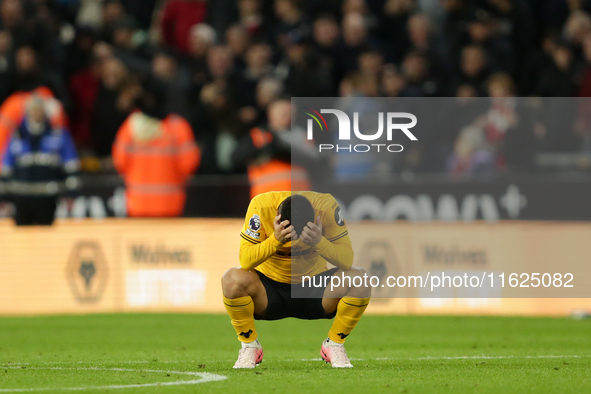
(241, 311)
(349, 311)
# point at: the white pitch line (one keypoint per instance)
(483, 357)
(204, 378)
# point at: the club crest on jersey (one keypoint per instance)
(338, 216)
(254, 225)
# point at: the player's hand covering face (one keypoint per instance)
(312, 233)
(284, 232)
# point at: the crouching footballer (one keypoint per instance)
(286, 242)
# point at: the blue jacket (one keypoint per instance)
(44, 165)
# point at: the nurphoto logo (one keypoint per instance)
(345, 130)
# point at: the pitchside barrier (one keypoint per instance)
(175, 265)
(425, 199)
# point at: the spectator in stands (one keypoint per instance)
(142, 11)
(126, 40)
(202, 38)
(219, 127)
(418, 81)
(155, 152)
(355, 38)
(577, 27)
(214, 114)
(258, 63)
(112, 12)
(301, 71)
(39, 165)
(518, 30)
(83, 88)
(510, 126)
(167, 72)
(326, 35)
(393, 27)
(25, 30)
(470, 155)
(29, 74)
(238, 42)
(360, 7)
(258, 66)
(251, 19)
(558, 78)
(114, 102)
(268, 90)
(12, 16)
(291, 20)
(585, 87)
(423, 40)
(178, 17)
(458, 14)
(34, 24)
(497, 48)
(533, 62)
(371, 63)
(393, 83)
(6, 63)
(583, 126)
(79, 53)
(220, 65)
(473, 70)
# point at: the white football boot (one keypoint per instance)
(250, 355)
(334, 354)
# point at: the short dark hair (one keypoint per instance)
(298, 210)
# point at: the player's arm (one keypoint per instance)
(339, 252)
(255, 246)
(336, 250)
(329, 235)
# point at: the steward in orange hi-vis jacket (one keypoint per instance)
(12, 113)
(273, 174)
(156, 158)
(275, 155)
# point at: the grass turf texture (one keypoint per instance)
(390, 353)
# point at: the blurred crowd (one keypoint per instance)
(219, 64)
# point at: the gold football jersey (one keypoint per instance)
(287, 263)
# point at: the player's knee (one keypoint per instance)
(236, 282)
(354, 272)
(359, 271)
(360, 280)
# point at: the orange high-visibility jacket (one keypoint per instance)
(274, 175)
(156, 160)
(13, 109)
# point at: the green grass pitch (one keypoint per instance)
(153, 353)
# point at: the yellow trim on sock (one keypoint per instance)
(359, 302)
(237, 302)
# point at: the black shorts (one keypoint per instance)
(280, 303)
